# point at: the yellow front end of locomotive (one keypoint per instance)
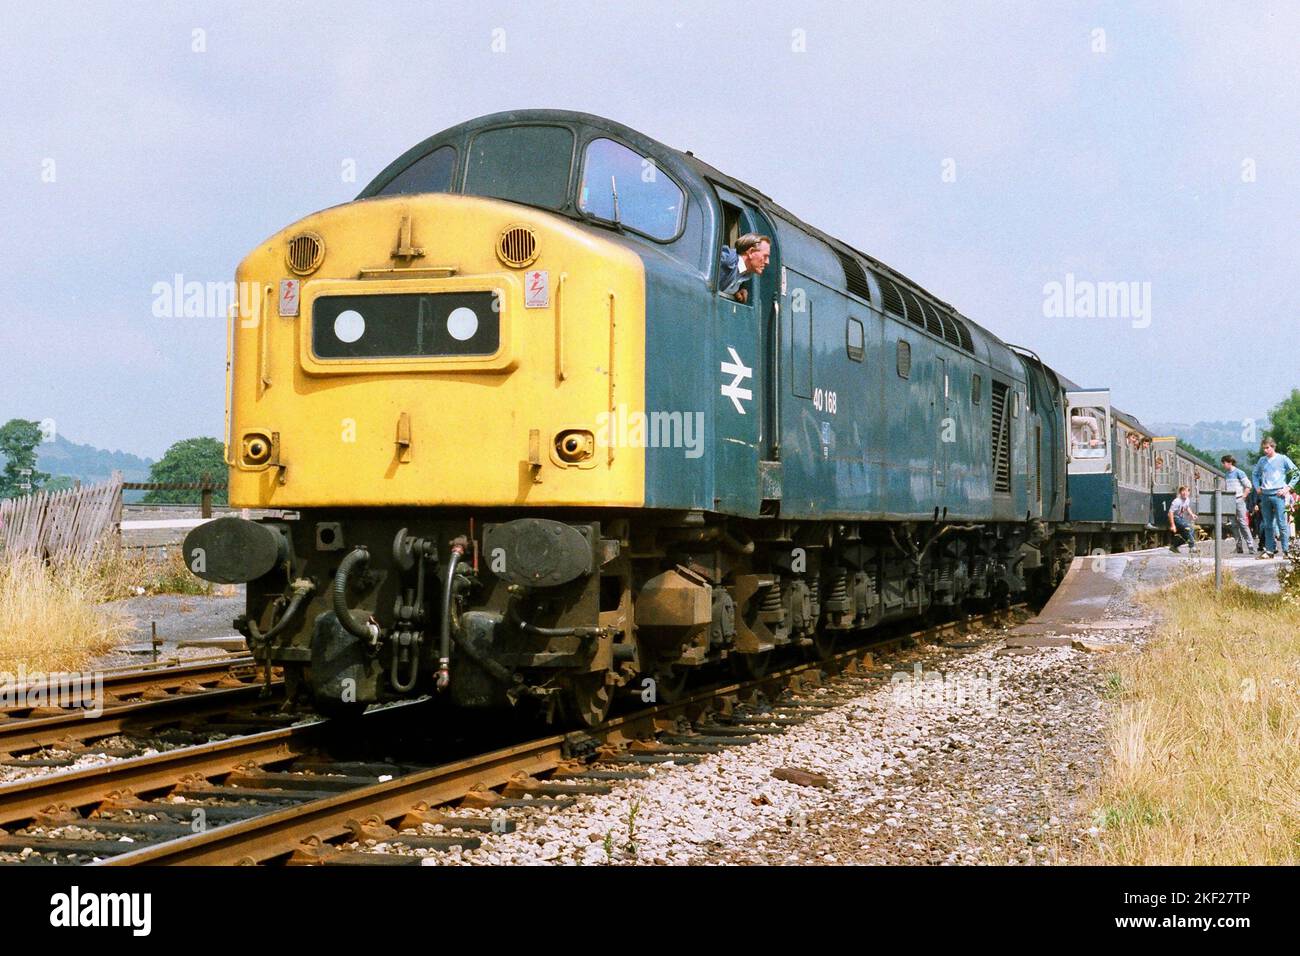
(320, 415)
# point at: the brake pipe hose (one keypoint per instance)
(368, 631)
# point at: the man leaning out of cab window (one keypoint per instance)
(750, 256)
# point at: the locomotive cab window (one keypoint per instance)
(730, 223)
(431, 173)
(523, 164)
(620, 185)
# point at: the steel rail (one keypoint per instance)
(274, 836)
(139, 717)
(23, 800)
(131, 681)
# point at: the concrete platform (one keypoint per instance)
(1094, 583)
(1083, 595)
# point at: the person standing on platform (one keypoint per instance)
(1275, 475)
(1235, 481)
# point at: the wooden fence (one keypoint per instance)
(60, 524)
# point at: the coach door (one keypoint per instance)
(1164, 476)
(745, 403)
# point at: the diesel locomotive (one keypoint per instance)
(520, 451)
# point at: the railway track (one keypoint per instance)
(224, 694)
(284, 797)
(132, 684)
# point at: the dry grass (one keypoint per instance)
(51, 618)
(1205, 742)
(131, 572)
(54, 618)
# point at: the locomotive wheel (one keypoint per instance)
(586, 699)
(751, 666)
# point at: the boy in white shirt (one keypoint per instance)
(1182, 521)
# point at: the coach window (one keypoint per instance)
(431, 173)
(1088, 432)
(976, 382)
(620, 185)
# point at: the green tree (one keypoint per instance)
(1285, 428)
(18, 441)
(189, 460)
(1200, 453)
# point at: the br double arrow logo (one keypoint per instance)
(741, 372)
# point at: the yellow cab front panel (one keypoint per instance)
(433, 357)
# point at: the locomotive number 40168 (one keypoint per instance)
(824, 400)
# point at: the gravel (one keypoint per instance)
(984, 766)
(991, 764)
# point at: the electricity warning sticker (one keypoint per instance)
(537, 289)
(290, 289)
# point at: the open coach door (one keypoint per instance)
(1090, 477)
(1088, 421)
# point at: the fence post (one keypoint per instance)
(117, 504)
(1218, 538)
(205, 496)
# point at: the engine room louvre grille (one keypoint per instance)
(904, 359)
(914, 313)
(889, 292)
(1001, 440)
(854, 278)
(949, 326)
(964, 334)
(933, 315)
(931, 318)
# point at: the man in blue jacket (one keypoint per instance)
(1274, 474)
(750, 257)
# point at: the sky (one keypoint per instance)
(1009, 157)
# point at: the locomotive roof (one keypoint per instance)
(685, 165)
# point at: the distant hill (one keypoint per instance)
(66, 462)
(1215, 437)
(90, 464)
